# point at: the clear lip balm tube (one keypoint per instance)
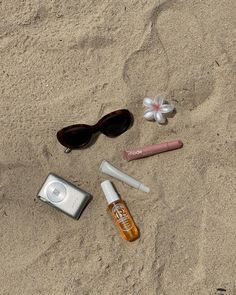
(120, 213)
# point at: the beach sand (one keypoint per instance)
(68, 62)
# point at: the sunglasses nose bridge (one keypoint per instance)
(96, 128)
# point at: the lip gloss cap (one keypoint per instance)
(109, 192)
(144, 188)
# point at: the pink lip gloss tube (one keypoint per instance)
(150, 150)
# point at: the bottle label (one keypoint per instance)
(122, 217)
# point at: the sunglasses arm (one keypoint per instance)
(67, 150)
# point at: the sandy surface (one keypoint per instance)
(65, 62)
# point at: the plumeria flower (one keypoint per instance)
(156, 108)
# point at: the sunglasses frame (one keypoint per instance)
(93, 129)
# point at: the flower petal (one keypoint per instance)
(159, 117)
(166, 108)
(149, 115)
(159, 100)
(147, 102)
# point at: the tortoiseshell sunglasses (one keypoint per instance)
(79, 136)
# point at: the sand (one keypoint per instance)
(68, 62)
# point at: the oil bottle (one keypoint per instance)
(120, 212)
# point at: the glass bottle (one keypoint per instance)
(120, 213)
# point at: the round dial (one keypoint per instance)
(56, 192)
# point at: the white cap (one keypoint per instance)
(109, 191)
(144, 188)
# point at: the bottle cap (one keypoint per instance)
(109, 191)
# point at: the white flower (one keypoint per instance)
(156, 108)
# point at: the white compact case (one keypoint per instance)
(63, 195)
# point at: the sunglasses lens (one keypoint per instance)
(117, 123)
(74, 136)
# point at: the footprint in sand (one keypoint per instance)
(146, 71)
(231, 125)
(174, 58)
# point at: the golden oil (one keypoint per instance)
(120, 213)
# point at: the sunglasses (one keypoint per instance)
(79, 136)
